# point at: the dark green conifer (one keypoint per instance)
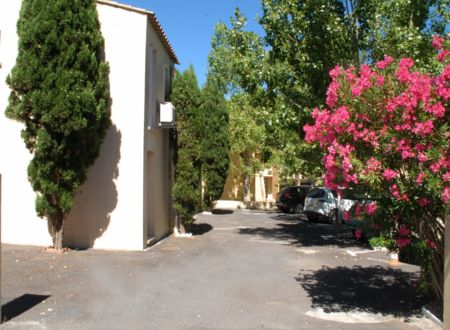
(214, 138)
(187, 189)
(60, 91)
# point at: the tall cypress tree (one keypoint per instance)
(214, 138)
(60, 91)
(187, 190)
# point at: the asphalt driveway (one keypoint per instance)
(241, 270)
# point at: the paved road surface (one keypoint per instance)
(242, 270)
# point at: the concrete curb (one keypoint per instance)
(427, 313)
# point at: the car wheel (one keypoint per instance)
(298, 208)
(332, 217)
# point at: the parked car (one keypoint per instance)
(348, 202)
(291, 199)
(321, 203)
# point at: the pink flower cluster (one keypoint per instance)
(371, 208)
(437, 43)
(403, 240)
(383, 118)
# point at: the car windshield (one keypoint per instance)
(316, 193)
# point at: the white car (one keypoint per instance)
(321, 203)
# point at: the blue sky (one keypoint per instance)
(189, 25)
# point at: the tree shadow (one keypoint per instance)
(299, 232)
(21, 305)
(200, 228)
(373, 289)
(97, 198)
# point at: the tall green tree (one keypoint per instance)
(247, 136)
(186, 97)
(285, 72)
(214, 138)
(60, 91)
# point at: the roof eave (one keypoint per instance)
(153, 20)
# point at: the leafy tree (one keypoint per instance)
(286, 71)
(386, 131)
(399, 28)
(214, 138)
(60, 91)
(247, 137)
(186, 98)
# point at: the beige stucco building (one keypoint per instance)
(263, 186)
(125, 203)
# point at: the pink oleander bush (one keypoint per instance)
(385, 131)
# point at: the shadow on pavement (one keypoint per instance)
(200, 228)
(221, 211)
(364, 289)
(299, 232)
(21, 305)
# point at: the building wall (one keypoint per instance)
(19, 221)
(108, 210)
(157, 187)
(264, 186)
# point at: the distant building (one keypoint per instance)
(126, 201)
(262, 189)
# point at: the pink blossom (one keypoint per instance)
(419, 147)
(389, 174)
(394, 191)
(424, 129)
(403, 242)
(407, 154)
(420, 178)
(358, 210)
(443, 54)
(404, 231)
(404, 197)
(445, 197)
(373, 165)
(423, 201)
(335, 72)
(435, 167)
(380, 81)
(384, 63)
(350, 73)
(358, 234)
(332, 94)
(347, 216)
(422, 157)
(403, 73)
(446, 177)
(437, 42)
(437, 109)
(431, 244)
(370, 208)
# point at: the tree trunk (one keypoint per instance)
(179, 227)
(56, 226)
(58, 239)
(247, 197)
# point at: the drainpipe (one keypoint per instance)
(447, 275)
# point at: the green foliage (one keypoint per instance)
(400, 28)
(214, 138)
(285, 73)
(187, 190)
(60, 91)
(203, 144)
